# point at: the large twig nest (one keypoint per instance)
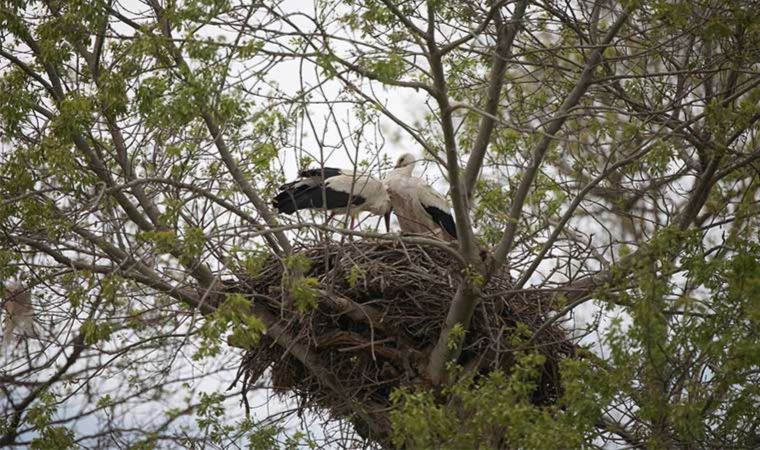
(379, 313)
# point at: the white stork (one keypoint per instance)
(333, 189)
(419, 207)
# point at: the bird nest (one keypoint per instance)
(379, 312)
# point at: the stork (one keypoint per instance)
(419, 207)
(333, 189)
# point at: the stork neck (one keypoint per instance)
(405, 171)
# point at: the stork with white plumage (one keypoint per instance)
(418, 206)
(336, 190)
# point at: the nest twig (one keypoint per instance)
(373, 331)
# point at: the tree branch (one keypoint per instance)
(281, 241)
(467, 296)
(308, 358)
(507, 34)
(683, 221)
(584, 81)
(404, 19)
(10, 435)
(494, 11)
(468, 292)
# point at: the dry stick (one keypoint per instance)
(466, 298)
(411, 239)
(366, 313)
(308, 358)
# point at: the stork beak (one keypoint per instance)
(415, 161)
(387, 218)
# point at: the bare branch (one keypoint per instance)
(506, 36)
(537, 155)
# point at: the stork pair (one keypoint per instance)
(419, 207)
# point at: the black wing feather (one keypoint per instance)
(309, 177)
(311, 197)
(329, 172)
(442, 218)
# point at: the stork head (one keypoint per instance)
(405, 160)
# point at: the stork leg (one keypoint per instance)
(325, 233)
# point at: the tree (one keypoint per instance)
(604, 154)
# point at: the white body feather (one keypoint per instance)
(410, 196)
(336, 190)
(377, 200)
